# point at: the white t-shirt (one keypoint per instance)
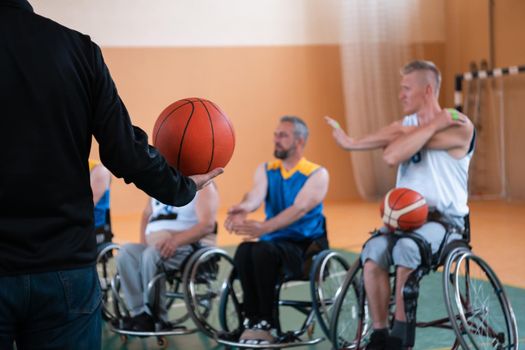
(166, 217)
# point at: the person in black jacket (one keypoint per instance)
(55, 94)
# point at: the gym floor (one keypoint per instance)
(496, 236)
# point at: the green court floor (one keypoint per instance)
(431, 307)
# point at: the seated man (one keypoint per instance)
(168, 237)
(100, 179)
(293, 190)
(433, 148)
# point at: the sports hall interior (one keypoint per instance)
(259, 60)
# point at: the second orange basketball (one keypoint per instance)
(194, 135)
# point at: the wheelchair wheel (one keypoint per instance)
(107, 270)
(326, 279)
(174, 298)
(204, 281)
(477, 304)
(350, 323)
(230, 308)
(176, 304)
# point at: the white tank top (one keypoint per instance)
(167, 217)
(439, 177)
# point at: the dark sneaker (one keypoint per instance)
(143, 323)
(256, 336)
(124, 323)
(259, 334)
(394, 343)
(377, 340)
(230, 336)
(167, 326)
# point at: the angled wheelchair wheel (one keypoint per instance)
(175, 302)
(350, 322)
(231, 313)
(107, 270)
(174, 297)
(326, 279)
(205, 280)
(477, 304)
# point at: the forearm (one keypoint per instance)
(129, 156)
(143, 224)
(194, 234)
(284, 219)
(379, 139)
(250, 202)
(371, 142)
(404, 147)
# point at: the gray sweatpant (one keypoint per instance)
(405, 252)
(137, 265)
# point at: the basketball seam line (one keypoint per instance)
(390, 217)
(212, 134)
(184, 132)
(397, 213)
(225, 118)
(387, 211)
(165, 118)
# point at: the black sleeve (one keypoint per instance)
(124, 148)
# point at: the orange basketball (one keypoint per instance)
(194, 135)
(404, 209)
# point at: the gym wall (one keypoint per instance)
(257, 59)
(468, 40)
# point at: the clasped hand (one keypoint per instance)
(237, 223)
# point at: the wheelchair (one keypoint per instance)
(178, 284)
(478, 309)
(105, 263)
(324, 271)
(207, 275)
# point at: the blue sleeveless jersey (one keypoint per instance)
(283, 187)
(100, 210)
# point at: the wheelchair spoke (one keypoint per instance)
(107, 270)
(326, 280)
(205, 281)
(487, 321)
(350, 324)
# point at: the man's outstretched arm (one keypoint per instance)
(379, 139)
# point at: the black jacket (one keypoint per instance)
(55, 93)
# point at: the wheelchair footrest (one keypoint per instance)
(277, 345)
(174, 331)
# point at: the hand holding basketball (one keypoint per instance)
(203, 180)
(404, 209)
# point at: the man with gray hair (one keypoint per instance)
(432, 148)
(293, 189)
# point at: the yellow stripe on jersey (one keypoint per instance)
(93, 163)
(304, 166)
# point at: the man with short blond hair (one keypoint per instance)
(432, 148)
